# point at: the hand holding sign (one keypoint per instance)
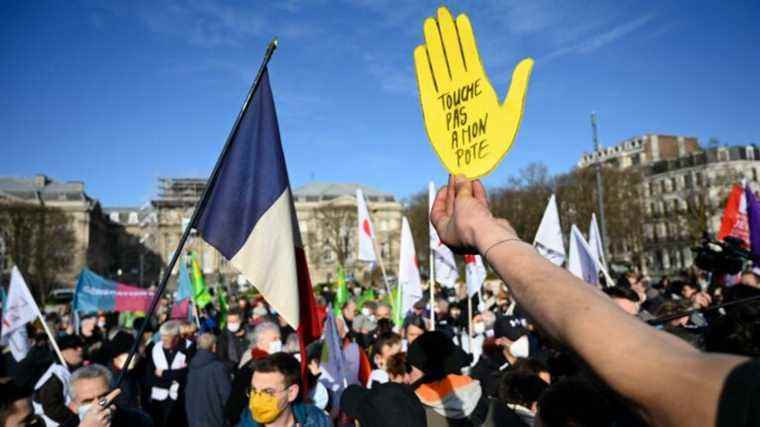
(468, 127)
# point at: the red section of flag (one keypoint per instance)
(734, 222)
(469, 259)
(131, 298)
(365, 227)
(309, 325)
(180, 310)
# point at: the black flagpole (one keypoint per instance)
(669, 317)
(200, 205)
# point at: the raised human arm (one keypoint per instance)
(652, 368)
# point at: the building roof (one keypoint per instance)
(42, 188)
(140, 215)
(318, 190)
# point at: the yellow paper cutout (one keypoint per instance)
(468, 127)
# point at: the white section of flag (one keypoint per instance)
(20, 308)
(476, 274)
(18, 343)
(267, 259)
(408, 270)
(548, 240)
(443, 259)
(366, 231)
(580, 261)
(595, 241)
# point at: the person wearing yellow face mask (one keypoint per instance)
(274, 399)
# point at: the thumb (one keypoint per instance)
(518, 87)
(463, 186)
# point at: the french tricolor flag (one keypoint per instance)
(251, 220)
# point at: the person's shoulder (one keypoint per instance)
(130, 417)
(741, 392)
(309, 415)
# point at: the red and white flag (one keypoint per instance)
(735, 222)
(476, 273)
(366, 231)
(408, 270)
(443, 259)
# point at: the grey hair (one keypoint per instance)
(292, 344)
(206, 341)
(88, 373)
(170, 328)
(263, 327)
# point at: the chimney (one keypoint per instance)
(40, 180)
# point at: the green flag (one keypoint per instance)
(201, 295)
(341, 292)
(395, 301)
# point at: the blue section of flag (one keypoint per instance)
(94, 293)
(251, 178)
(184, 286)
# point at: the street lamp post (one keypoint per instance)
(599, 187)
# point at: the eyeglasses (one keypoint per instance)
(268, 392)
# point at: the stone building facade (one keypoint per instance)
(684, 189)
(89, 225)
(160, 225)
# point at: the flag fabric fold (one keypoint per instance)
(250, 217)
(753, 217)
(19, 308)
(366, 231)
(408, 270)
(595, 241)
(548, 240)
(581, 261)
(443, 258)
(184, 295)
(201, 295)
(94, 293)
(734, 222)
(476, 273)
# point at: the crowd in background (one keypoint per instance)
(243, 367)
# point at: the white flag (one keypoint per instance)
(548, 239)
(443, 259)
(595, 241)
(476, 273)
(580, 260)
(18, 342)
(366, 232)
(408, 270)
(19, 310)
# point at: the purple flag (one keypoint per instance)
(753, 216)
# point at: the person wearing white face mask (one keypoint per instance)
(509, 342)
(90, 385)
(232, 342)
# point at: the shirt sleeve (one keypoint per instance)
(738, 400)
(50, 395)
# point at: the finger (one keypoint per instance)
(435, 53)
(112, 395)
(463, 187)
(479, 192)
(438, 211)
(518, 88)
(450, 196)
(450, 42)
(467, 41)
(425, 78)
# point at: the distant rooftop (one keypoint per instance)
(315, 191)
(42, 188)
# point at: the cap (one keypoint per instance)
(388, 404)
(69, 341)
(509, 327)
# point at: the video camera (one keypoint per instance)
(726, 257)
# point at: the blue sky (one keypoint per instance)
(119, 94)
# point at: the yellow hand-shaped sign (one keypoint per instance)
(468, 127)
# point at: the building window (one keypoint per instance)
(698, 179)
(673, 184)
(687, 181)
(663, 186)
(754, 174)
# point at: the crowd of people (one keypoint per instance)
(546, 349)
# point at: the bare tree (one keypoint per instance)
(337, 226)
(40, 241)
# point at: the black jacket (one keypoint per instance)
(230, 348)
(207, 391)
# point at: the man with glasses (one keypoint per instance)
(274, 396)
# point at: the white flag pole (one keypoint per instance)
(379, 257)
(432, 289)
(469, 322)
